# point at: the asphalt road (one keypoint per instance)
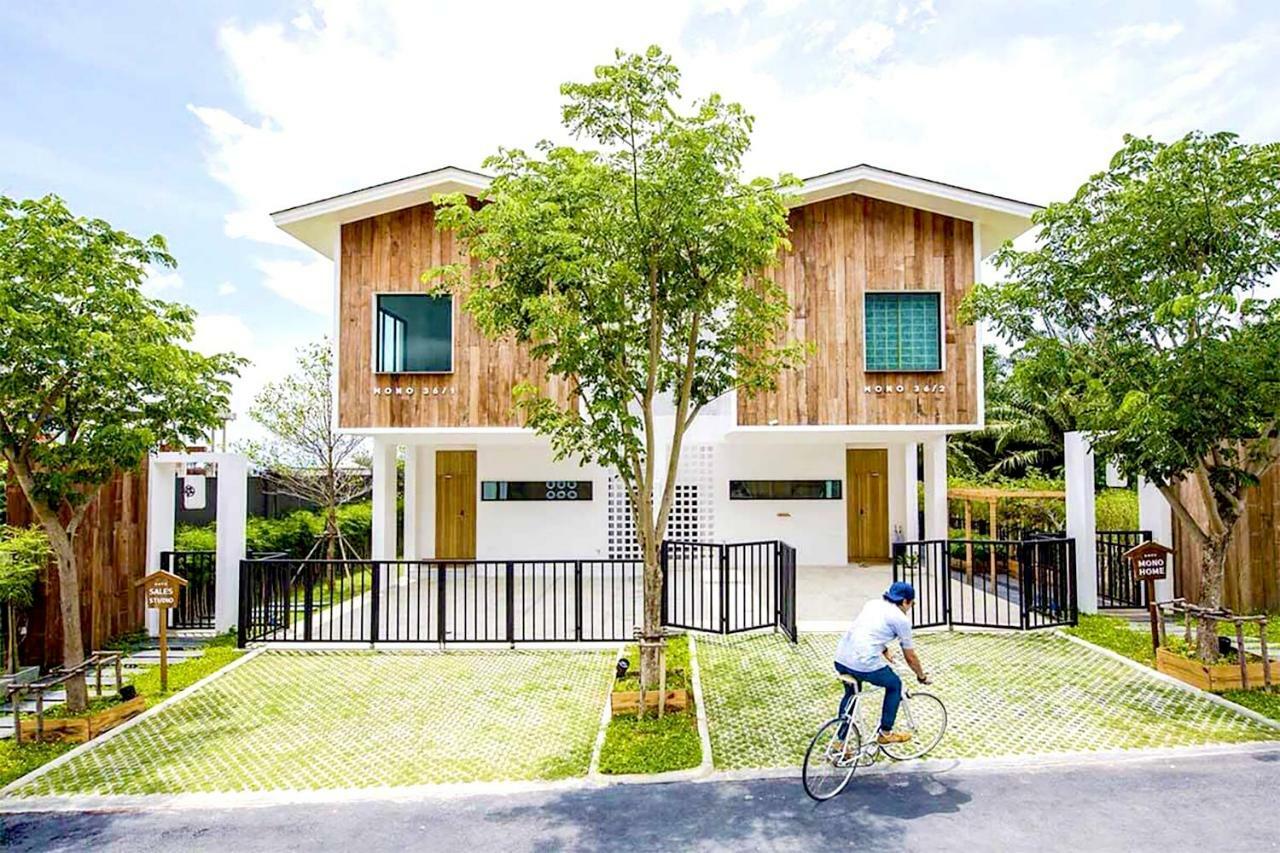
(1220, 803)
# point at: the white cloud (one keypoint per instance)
(305, 283)
(226, 289)
(161, 281)
(1149, 33)
(867, 42)
(222, 333)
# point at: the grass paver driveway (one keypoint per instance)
(310, 720)
(1005, 695)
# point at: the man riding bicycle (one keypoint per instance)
(862, 654)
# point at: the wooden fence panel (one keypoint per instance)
(111, 545)
(1252, 580)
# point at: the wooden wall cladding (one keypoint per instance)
(389, 253)
(842, 248)
(111, 545)
(1252, 581)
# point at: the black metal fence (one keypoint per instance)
(1116, 587)
(511, 601)
(196, 603)
(1019, 584)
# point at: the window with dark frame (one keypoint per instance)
(414, 333)
(903, 331)
(536, 490)
(785, 490)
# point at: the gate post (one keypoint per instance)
(577, 601)
(777, 585)
(1026, 581)
(663, 564)
(307, 602)
(724, 589)
(1081, 526)
(375, 605)
(945, 546)
(440, 605)
(244, 605)
(511, 604)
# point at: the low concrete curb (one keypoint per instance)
(1169, 679)
(124, 727)
(700, 708)
(260, 799)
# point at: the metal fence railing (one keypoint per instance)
(196, 604)
(1019, 584)
(719, 588)
(1117, 588)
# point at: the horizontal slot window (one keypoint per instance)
(414, 333)
(903, 331)
(785, 490)
(535, 490)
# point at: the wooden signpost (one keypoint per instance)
(1150, 563)
(161, 591)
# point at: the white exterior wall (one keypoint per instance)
(816, 529)
(539, 529)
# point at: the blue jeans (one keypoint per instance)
(883, 677)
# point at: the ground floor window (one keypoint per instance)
(785, 490)
(536, 490)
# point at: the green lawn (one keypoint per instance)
(1006, 694)
(1114, 633)
(310, 720)
(650, 745)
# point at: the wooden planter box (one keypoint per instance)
(1216, 678)
(81, 729)
(628, 701)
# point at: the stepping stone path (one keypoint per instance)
(180, 649)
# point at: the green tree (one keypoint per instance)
(634, 270)
(1140, 305)
(93, 374)
(24, 553)
(305, 455)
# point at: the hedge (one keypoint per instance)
(293, 534)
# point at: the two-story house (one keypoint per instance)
(828, 462)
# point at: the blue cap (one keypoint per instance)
(899, 592)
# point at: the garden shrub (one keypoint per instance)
(1116, 509)
(294, 534)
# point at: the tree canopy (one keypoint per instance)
(1144, 307)
(635, 268)
(93, 373)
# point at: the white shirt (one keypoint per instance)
(879, 624)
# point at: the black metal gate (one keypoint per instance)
(1116, 587)
(985, 583)
(724, 588)
(196, 604)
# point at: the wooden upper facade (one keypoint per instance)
(918, 238)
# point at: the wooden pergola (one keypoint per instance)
(992, 497)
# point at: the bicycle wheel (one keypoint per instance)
(925, 717)
(828, 769)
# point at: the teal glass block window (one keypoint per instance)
(903, 331)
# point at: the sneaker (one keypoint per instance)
(893, 737)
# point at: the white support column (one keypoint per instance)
(909, 510)
(411, 549)
(935, 488)
(383, 546)
(232, 509)
(1081, 525)
(160, 522)
(1155, 514)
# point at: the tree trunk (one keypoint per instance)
(69, 604)
(68, 584)
(11, 664)
(1213, 561)
(652, 625)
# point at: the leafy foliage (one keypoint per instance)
(634, 271)
(24, 553)
(305, 455)
(1139, 309)
(93, 373)
(295, 534)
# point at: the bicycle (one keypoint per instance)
(828, 769)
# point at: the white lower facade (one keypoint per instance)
(820, 529)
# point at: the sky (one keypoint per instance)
(196, 120)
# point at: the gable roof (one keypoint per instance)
(997, 218)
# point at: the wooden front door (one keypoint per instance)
(456, 504)
(867, 504)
